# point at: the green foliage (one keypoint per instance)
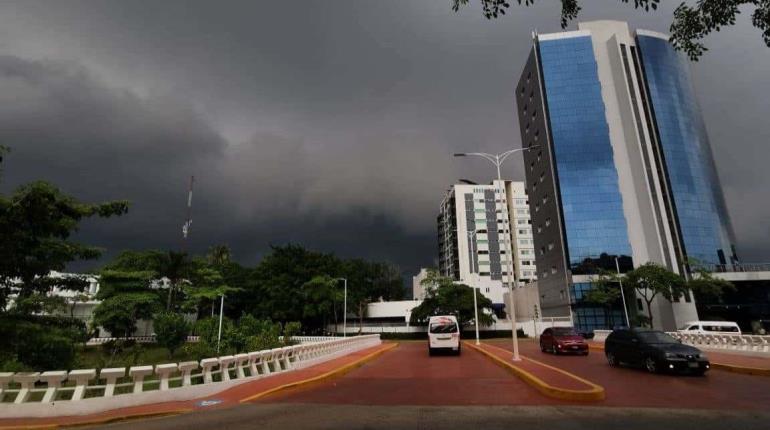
(450, 298)
(651, 280)
(707, 288)
(691, 24)
(37, 342)
(119, 313)
(171, 330)
(36, 223)
(292, 283)
(605, 292)
(290, 330)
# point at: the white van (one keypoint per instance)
(710, 327)
(443, 334)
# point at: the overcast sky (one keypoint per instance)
(325, 123)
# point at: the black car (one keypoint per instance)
(653, 350)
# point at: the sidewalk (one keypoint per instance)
(229, 397)
(550, 381)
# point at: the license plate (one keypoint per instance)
(574, 347)
(692, 364)
(444, 337)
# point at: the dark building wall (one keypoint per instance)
(541, 183)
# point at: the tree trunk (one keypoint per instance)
(360, 317)
(649, 311)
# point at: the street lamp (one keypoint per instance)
(345, 309)
(497, 160)
(622, 294)
(471, 235)
(221, 312)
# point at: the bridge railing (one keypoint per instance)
(734, 342)
(84, 385)
(729, 342)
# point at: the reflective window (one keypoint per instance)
(588, 182)
(695, 188)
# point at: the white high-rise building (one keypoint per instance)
(485, 233)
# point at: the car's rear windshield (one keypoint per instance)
(443, 327)
(564, 331)
(656, 337)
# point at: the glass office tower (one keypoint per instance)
(620, 172)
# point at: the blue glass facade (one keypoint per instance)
(591, 203)
(696, 193)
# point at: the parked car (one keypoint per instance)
(443, 334)
(563, 340)
(654, 351)
(710, 327)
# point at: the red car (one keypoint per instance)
(563, 340)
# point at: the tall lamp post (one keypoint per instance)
(471, 236)
(622, 293)
(497, 160)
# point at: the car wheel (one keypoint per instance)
(611, 360)
(554, 350)
(651, 365)
(542, 347)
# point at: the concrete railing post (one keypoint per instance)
(53, 380)
(253, 361)
(207, 364)
(164, 372)
(81, 378)
(5, 378)
(110, 376)
(240, 362)
(186, 367)
(138, 373)
(224, 366)
(27, 381)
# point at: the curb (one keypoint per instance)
(96, 421)
(756, 371)
(330, 374)
(595, 393)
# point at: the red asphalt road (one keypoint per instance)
(406, 375)
(634, 387)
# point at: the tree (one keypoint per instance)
(707, 288)
(651, 280)
(176, 267)
(605, 292)
(690, 26)
(126, 297)
(36, 223)
(171, 330)
(205, 286)
(321, 296)
(450, 298)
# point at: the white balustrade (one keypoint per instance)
(734, 342)
(81, 378)
(110, 376)
(164, 372)
(186, 367)
(309, 351)
(27, 381)
(53, 380)
(138, 373)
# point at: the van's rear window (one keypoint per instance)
(449, 327)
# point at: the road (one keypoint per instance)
(406, 389)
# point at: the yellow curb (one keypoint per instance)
(97, 421)
(595, 393)
(757, 371)
(332, 373)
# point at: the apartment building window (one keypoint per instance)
(539, 229)
(550, 246)
(542, 177)
(537, 207)
(547, 222)
(483, 252)
(537, 134)
(545, 199)
(553, 270)
(526, 263)
(522, 211)
(539, 155)
(542, 250)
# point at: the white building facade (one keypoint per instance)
(485, 237)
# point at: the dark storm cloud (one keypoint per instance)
(325, 123)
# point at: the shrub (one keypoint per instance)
(43, 350)
(290, 330)
(171, 330)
